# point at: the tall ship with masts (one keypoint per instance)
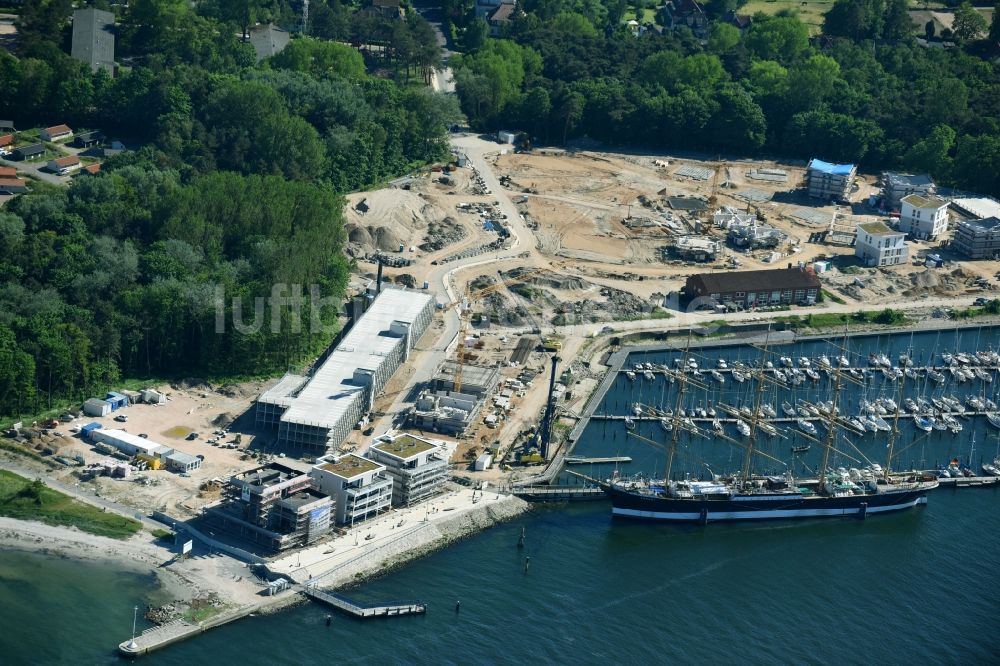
(745, 496)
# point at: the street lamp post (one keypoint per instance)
(135, 615)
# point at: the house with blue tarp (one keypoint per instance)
(832, 182)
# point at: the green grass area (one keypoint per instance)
(887, 317)
(810, 12)
(648, 15)
(201, 613)
(829, 295)
(32, 500)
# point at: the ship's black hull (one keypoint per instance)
(634, 506)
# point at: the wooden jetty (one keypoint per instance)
(568, 493)
(969, 482)
(345, 605)
(575, 460)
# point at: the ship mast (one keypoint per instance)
(755, 414)
(895, 428)
(831, 431)
(676, 429)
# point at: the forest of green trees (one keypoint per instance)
(237, 186)
(863, 91)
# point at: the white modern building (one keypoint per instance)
(878, 245)
(359, 487)
(418, 467)
(923, 216)
(315, 413)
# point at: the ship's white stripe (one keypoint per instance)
(755, 515)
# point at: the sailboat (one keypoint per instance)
(748, 497)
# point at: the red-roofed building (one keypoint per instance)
(6, 140)
(8, 172)
(56, 133)
(12, 186)
(93, 168)
(64, 165)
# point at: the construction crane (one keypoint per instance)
(470, 297)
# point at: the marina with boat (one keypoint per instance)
(829, 426)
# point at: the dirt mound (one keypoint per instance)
(925, 280)
(359, 235)
(189, 383)
(223, 420)
(385, 239)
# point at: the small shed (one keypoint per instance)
(88, 139)
(28, 152)
(508, 136)
(56, 133)
(117, 400)
(483, 462)
(153, 397)
(96, 407)
(182, 462)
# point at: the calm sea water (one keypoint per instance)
(914, 587)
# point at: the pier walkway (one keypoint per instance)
(345, 605)
(172, 632)
(559, 493)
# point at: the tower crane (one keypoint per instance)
(471, 296)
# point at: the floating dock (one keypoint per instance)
(349, 607)
(572, 460)
(567, 493)
(969, 482)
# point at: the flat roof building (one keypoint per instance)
(94, 38)
(418, 467)
(896, 186)
(446, 412)
(130, 444)
(878, 245)
(268, 40)
(275, 506)
(923, 216)
(746, 289)
(315, 413)
(977, 239)
(182, 462)
(832, 182)
(359, 487)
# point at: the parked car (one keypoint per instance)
(981, 301)
(143, 435)
(192, 436)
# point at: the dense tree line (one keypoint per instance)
(864, 91)
(236, 188)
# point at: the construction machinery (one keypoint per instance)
(471, 296)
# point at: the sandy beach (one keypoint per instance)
(200, 577)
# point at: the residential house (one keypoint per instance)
(486, 7)
(92, 168)
(689, 13)
(28, 152)
(923, 216)
(7, 126)
(64, 165)
(832, 182)
(747, 289)
(878, 245)
(895, 186)
(8, 172)
(389, 9)
(6, 141)
(359, 486)
(267, 40)
(56, 133)
(94, 38)
(10, 185)
(742, 23)
(500, 17)
(418, 467)
(88, 139)
(977, 239)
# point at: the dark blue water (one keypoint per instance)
(914, 587)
